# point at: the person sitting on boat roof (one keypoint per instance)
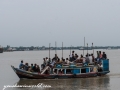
(70, 58)
(77, 60)
(87, 59)
(47, 61)
(97, 54)
(21, 66)
(58, 61)
(67, 61)
(100, 57)
(100, 54)
(63, 62)
(76, 56)
(84, 60)
(73, 58)
(81, 59)
(53, 63)
(104, 56)
(56, 57)
(90, 58)
(93, 59)
(73, 52)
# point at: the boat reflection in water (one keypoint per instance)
(95, 83)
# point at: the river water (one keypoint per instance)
(110, 81)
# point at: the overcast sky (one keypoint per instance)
(40, 22)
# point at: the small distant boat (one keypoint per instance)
(85, 48)
(65, 71)
(1, 49)
(81, 48)
(109, 48)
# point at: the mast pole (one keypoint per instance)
(49, 50)
(55, 47)
(87, 48)
(84, 47)
(93, 49)
(62, 49)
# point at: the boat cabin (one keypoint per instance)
(75, 69)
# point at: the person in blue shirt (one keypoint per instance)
(21, 66)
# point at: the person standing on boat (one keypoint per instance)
(56, 57)
(76, 56)
(104, 56)
(100, 57)
(87, 59)
(73, 57)
(53, 63)
(21, 66)
(44, 64)
(70, 58)
(90, 58)
(93, 59)
(47, 61)
(81, 59)
(67, 61)
(97, 54)
(73, 52)
(100, 54)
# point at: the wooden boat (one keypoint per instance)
(61, 71)
(1, 49)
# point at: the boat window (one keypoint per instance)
(64, 71)
(68, 71)
(55, 71)
(83, 70)
(59, 71)
(91, 69)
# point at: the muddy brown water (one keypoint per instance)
(110, 81)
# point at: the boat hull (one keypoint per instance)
(31, 75)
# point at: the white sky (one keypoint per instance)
(40, 22)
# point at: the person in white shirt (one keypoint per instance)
(100, 67)
(47, 60)
(67, 61)
(90, 58)
(53, 63)
(84, 60)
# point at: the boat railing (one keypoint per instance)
(44, 69)
(73, 65)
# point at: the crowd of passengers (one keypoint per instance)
(73, 58)
(32, 68)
